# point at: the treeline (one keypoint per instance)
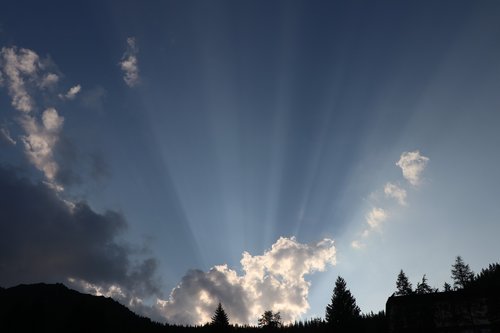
(342, 314)
(55, 308)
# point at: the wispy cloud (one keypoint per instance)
(129, 63)
(49, 80)
(72, 92)
(412, 164)
(394, 191)
(5, 134)
(274, 280)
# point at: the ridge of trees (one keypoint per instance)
(342, 314)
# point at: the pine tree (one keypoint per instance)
(270, 320)
(461, 274)
(446, 287)
(403, 285)
(220, 318)
(423, 287)
(342, 312)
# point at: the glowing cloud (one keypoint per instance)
(412, 164)
(129, 63)
(40, 140)
(18, 66)
(274, 280)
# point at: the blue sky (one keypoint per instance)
(241, 122)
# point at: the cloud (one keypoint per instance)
(129, 63)
(24, 75)
(40, 140)
(395, 192)
(5, 135)
(17, 66)
(375, 217)
(412, 164)
(45, 238)
(274, 280)
(72, 92)
(49, 80)
(356, 244)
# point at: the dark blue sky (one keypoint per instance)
(254, 120)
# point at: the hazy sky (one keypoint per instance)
(247, 151)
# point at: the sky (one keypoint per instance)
(176, 154)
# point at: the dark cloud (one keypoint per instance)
(77, 167)
(44, 238)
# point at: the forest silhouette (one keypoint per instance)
(56, 308)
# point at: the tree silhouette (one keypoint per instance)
(220, 318)
(461, 274)
(446, 287)
(403, 285)
(423, 287)
(270, 320)
(342, 312)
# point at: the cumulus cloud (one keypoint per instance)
(394, 191)
(46, 239)
(5, 135)
(129, 63)
(412, 164)
(19, 66)
(274, 280)
(72, 92)
(24, 74)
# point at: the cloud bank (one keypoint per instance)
(412, 164)
(274, 280)
(129, 64)
(44, 238)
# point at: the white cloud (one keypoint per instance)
(40, 140)
(18, 65)
(129, 63)
(72, 92)
(375, 217)
(274, 280)
(5, 134)
(25, 75)
(357, 245)
(394, 191)
(49, 80)
(412, 164)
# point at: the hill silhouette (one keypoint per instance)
(56, 308)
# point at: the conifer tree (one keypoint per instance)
(342, 312)
(461, 274)
(446, 286)
(270, 319)
(423, 287)
(220, 318)
(403, 285)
